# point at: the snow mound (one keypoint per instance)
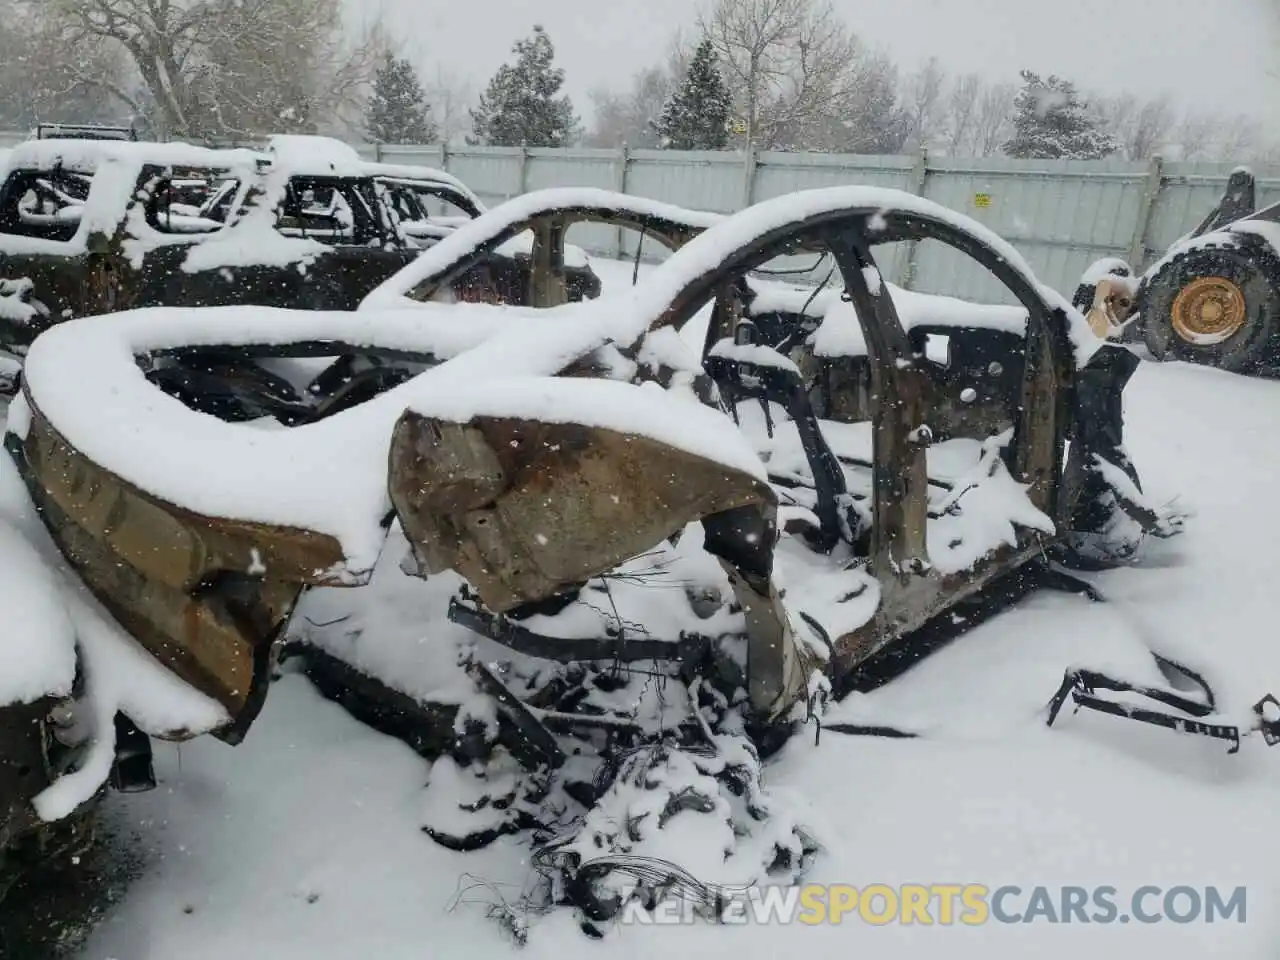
(303, 155)
(37, 645)
(1106, 267)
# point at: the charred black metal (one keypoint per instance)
(132, 771)
(739, 380)
(1083, 686)
(467, 612)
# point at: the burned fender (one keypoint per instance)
(528, 510)
(207, 597)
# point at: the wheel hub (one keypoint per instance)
(1208, 310)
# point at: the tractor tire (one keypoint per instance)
(1215, 306)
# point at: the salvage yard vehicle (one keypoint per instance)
(89, 227)
(1213, 298)
(572, 491)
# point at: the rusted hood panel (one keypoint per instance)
(526, 509)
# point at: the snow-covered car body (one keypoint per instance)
(526, 454)
(88, 227)
(968, 340)
(415, 192)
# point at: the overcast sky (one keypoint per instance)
(1210, 54)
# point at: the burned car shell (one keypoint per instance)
(1040, 420)
(119, 245)
(978, 389)
(205, 577)
(466, 263)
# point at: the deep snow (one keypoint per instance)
(305, 840)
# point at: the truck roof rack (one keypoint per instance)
(84, 131)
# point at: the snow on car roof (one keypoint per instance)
(115, 166)
(720, 237)
(314, 156)
(86, 156)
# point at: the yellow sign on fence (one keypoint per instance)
(982, 200)
(738, 126)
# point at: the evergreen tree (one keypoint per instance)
(1050, 122)
(398, 110)
(521, 105)
(697, 115)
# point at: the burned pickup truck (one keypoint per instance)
(92, 227)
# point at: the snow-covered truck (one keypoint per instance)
(564, 486)
(90, 227)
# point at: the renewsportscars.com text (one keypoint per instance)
(967, 904)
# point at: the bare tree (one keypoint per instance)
(1116, 114)
(961, 111)
(1151, 129)
(1141, 127)
(629, 118)
(226, 67)
(39, 74)
(923, 103)
(1194, 136)
(1237, 139)
(993, 119)
(451, 98)
(786, 61)
(866, 117)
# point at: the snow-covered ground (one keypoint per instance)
(306, 842)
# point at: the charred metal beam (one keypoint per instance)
(1082, 687)
(620, 649)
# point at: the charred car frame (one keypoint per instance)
(532, 508)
